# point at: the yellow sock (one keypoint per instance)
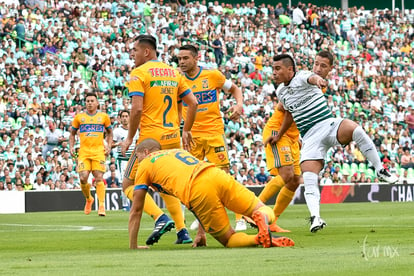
(100, 192)
(268, 212)
(282, 201)
(174, 207)
(240, 239)
(238, 217)
(150, 207)
(271, 188)
(86, 190)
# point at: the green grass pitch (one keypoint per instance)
(360, 239)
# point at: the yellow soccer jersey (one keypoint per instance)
(206, 86)
(275, 122)
(170, 172)
(91, 133)
(162, 88)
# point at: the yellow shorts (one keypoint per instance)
(213, 148)
(212, 191)
(132, 166)
(286, 152)
(91, 164)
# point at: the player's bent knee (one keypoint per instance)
(224, 238)
(345, 131)
(287, 173)
(126, 182)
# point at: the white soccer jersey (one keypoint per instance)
(306, 102)
(119, 135)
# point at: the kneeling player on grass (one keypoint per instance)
(203, 189)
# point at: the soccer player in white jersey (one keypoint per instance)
(303, 100)
(120, 133)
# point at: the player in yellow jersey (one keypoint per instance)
(91, 126)
(203, 189)
(155, 89)
(208, 128)
(283, 154)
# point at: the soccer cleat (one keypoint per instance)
(276, 228)
(88, 206)
(385, 175)
(282, 241)
(162, 225)
(250, 221)
(183, 237)
(101, 211)
(264, 236)
(241, 225)
(194, 225)
(316, 224)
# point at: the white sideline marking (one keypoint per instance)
(50, 227)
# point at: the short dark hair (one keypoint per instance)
(148, 40)
(123, 111)
(191, 48)
(286, 59)
(328, 55)
(91, 94)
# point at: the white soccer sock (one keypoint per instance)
(312, 193)
(367, 147)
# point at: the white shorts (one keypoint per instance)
(121, 168)
(319, 139)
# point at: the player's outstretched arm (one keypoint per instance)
(287, 122)
(135, 218)
(236, 111)
(109, 140)
(134, 121)
(200, 239)
(192, 104)
(72, 141)
(317, 80)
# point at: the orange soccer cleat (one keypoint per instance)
(276, 228)
(101, 211)
(282, 241)
(264, 236)
(88, 206)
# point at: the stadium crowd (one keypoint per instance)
(53, 52)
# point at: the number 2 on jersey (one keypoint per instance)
(164, 115)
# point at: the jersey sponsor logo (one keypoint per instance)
(305, 100)
(169, 136)
(162, 72)
(158, 83)
(204, 97)
(91, 128)
(219, 149)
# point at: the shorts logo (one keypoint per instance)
(285, 149)
(221, 156)
(219, 149)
